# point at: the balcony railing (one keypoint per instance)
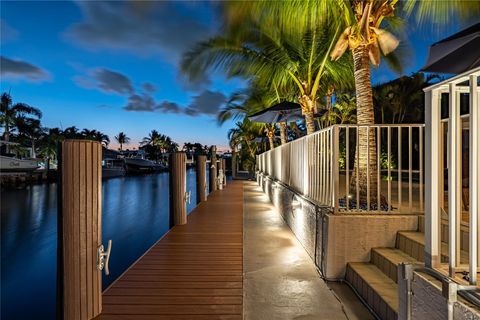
(326, 167)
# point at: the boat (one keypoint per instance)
(10, 162)
(112, 168)
(135, 163)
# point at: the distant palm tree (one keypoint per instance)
(29, 130)
(72, 133)
(49, 145)
(11, 113)
(122, 139)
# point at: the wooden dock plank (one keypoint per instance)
(194, 272)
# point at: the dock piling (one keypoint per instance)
(224, 166)
(213, 169)
(221, 173)
(178, 189)
(201, 167)
(79, 230)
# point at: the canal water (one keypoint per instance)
(135, 215)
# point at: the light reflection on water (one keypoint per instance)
(135, 215)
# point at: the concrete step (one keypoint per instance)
(378, 290)
(413, 244)
(387, 260)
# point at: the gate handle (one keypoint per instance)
(103, 257)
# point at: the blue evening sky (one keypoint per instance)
(113, 66)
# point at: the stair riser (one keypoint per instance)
(387, 267)
(464, 243)
(375, 301)
(464, 235)
(411, 247)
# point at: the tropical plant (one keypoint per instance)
(160, 143)
(49, 143)
(364, 24)
(122, 139)
(13, 114)
(241, 140)
(402, 100)
(29, 132)
(272, 58)
(343, 111)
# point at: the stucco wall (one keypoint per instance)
(334, 240)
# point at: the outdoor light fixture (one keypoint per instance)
(296, 203)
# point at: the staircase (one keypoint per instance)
(376, 281)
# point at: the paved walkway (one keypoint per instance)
(280, 279)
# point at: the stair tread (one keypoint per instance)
(385, 287)
(396, 256)
(419, 237)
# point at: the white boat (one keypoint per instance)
(11, 163)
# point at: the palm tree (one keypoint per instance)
(49, 145)
(122, 139)
(241, 141)
(289, 61)
(29, 129)
(363, 24)
(11, 113)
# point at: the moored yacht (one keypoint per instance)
(10, 162)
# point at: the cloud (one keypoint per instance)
(7, 32)
(140, 27)
(105, 80)
(149, 87)
(19, 69)
(143, 102)
(206, 103)
(169, 107)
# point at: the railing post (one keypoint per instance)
(213, 169)
(79, 230)
(474, 178)
(201, 167)
(178, 189)
(433, 172)
(454, 179)
(336, 168)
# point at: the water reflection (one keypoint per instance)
(135, 215)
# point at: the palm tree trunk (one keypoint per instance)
(270, 141)
(309, 121)
(283, 132)
(366, 159)
(33, 155)
(6, 136)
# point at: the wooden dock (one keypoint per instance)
(194, 272)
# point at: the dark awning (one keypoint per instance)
(455, 54)
(282, 112)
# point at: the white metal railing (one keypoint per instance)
(452, 159)
(324, 167)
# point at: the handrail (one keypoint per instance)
(331, 168)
